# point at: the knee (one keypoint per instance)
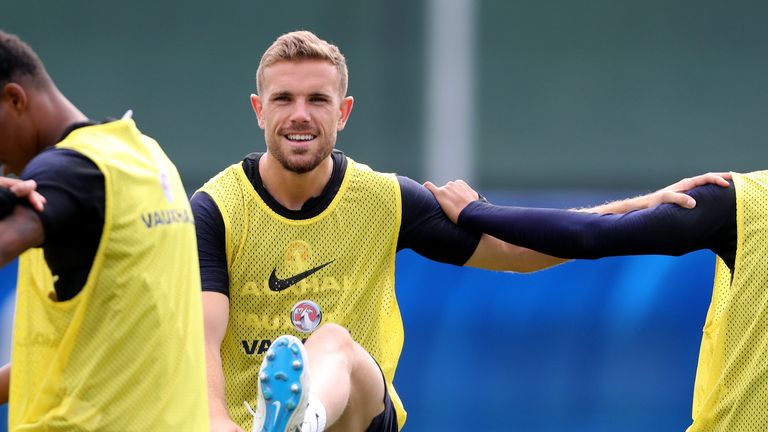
(331, 338)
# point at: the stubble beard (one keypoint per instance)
(303, 165)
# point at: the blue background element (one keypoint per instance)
(587, 346)
(7, 287)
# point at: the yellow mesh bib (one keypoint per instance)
(731, 391)
(127, 353)
(342, 260)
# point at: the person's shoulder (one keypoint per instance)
(252, 158)
(382, 182)
(754, 176)
(57, 154)
(55, 161)
(411, 188)
(248, 165)
(204, 206)
(360, 167)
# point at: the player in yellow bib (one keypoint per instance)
(731, 389)
(301, 240)
(108, 330)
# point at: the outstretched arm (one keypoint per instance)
(666, 229)
(573, 234)
(427, 230)
(456, 195)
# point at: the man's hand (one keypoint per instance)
(453, 197)
(672, 194)
(25, 189)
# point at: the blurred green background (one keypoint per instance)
(562, 94)
(544, 102)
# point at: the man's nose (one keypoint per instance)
(300, 113)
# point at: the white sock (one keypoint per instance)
(314, 416)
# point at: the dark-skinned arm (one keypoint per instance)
(19, 231)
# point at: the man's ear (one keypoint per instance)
(257, 108)
(15, 96)
(346, 110)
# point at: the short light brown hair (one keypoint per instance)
(303, 45)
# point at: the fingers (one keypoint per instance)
(38, 201)
(453, 187)
(23, 188)
(720, 179)
(26, 188)
(678, 198)
(727, 175)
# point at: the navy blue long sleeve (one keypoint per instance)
(664, 230)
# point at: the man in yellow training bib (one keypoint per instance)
(301, 241)
(731, 388)
(108, 331)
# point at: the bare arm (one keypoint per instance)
(216, 318)
(455, 195)
(495, 254)
(20, 231)
(5, 379)
(491, 253)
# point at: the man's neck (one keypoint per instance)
(290, 189)
(50, 115)
(60, 114)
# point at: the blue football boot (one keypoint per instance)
(283, 387)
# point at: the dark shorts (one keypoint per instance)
(387, 420)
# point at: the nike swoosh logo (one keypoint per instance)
(277, 284)
(275, 404)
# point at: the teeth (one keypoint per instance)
(300, 137)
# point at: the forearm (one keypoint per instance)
(571, 234)
(622, 206)
(5, 382)
(216, 318)
(495, 254)
(217, 400)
